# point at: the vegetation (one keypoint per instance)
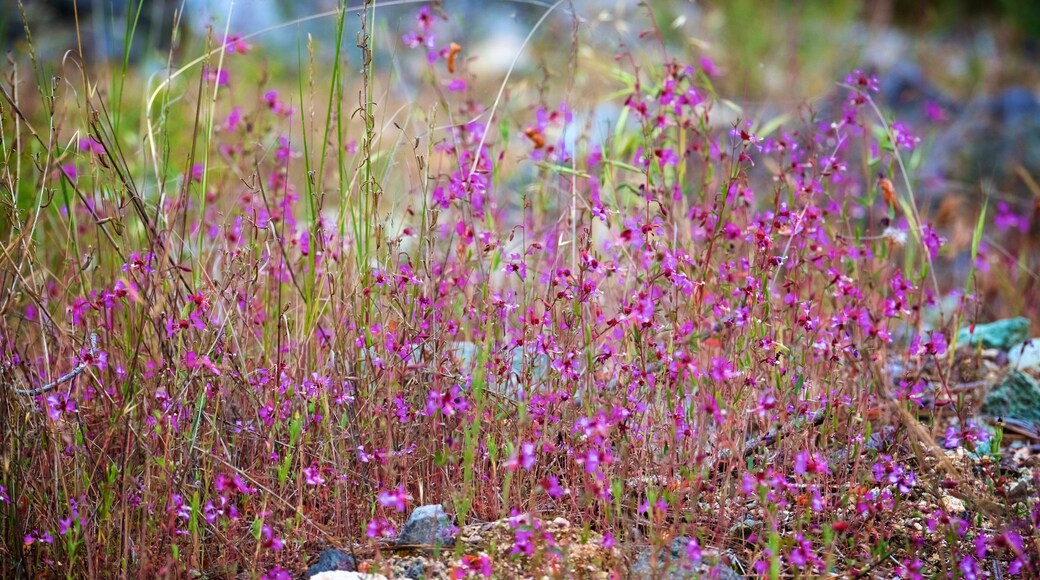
(249, 312)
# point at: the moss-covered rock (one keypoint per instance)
(1016, 397)
(1002, 334)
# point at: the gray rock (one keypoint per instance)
(331, 560)
(1002, 334)
(906, 92)
(674, 564)
(416, 571)
(341, 575)
(1025, 356)
(428, 525)
(987, 142)
(465, 353)
(1017, 398)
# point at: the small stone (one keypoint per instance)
(679, 565)
(1002, 334)
(331, 560)
(474, 539)
(1025, 355)
(952, 505)
(562, 522)
(415, 571)
(342, 575)
(745, 527)
(428, 525)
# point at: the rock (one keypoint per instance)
(908, 94)
(1002, 334)
(343, 575)
(986, 143)
(1025, 356)
(416, 571)
(331, 560)
(953, 506)
(465, 353)
(674, 564)
(428, 525)
(745, 527)
(1016, 398)
(883, 439)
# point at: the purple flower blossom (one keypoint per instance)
(971, 433)
(693, 551)
(904, 139)
(277, 573)
(269, 540)
(379, 528)
(886, 470)
(551, 486)
(312, 475)
(140, 262)
(863, 81)
(91, 144)
(234, 44)
(397, 499)
(235, 483)
(36, 536)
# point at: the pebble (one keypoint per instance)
(952, 505)
(342, 575)
(331, 560)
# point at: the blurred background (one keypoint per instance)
(960, 74)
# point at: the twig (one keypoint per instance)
(75, 372)
(755, 443)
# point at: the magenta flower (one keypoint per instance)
(176, 504)
(708, 66)
(212, 75)
(140, 262)
(277, 573)
(551, 486)
(813, 463)
(234, 119)
(379, 528)
(70, 171)
(269, 540)
(312, 475)
(79, 309)
(234, 44)
(861, 80)
(904, 139)
(396, 499)
(91, 144)
(36, 536)
(235, 483)
(693, 551)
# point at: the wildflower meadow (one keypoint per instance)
(267, 313)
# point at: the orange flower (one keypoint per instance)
(453, 50)
(888, 191)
